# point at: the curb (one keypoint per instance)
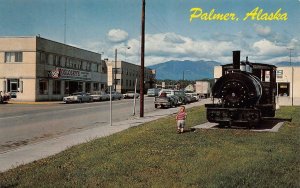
(35, 103)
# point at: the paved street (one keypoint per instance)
(22, 124)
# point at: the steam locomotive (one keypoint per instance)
(245, 94)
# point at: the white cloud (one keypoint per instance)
(162, 47)
(262, 30)
(269, 49)
(117, 35)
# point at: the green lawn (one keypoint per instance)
(153, 155)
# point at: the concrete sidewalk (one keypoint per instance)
(30, 153)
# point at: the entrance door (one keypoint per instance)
(14, 85)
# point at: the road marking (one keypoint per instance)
(10, 117)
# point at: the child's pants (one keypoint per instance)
(180, 124)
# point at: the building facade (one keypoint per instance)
(123, 75)
(38, 69)
(288, 84)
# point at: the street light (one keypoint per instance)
(183, 77)
(290, 49)
(183, 74)
(115, 72)
(100, 71)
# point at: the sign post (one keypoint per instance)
(110, 106)
(134, 98)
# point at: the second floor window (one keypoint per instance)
(11, 57)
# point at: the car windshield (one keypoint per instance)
(178, 93)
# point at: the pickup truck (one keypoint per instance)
(163, 100)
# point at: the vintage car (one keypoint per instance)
(195, 96)
(153, 92)
(180, 95)
(100, 96)
(116, 95)
(78, 97)
(164, 100)
(4, 98)
(130, 95)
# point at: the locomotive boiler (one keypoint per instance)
(244, 94)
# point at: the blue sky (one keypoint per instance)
(103, 25)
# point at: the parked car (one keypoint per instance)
(116, 95)
(163, 100)
(153, 92)
(130, 95)
(78, 97)
(4, 98)
(178, 93)
(100, 96)
(189, 99)
(195, 96)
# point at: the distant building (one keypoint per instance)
(38, 69)
(126, 76)
(189, 87)
(203, 88)
(286, 85)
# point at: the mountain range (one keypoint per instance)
(192, 70)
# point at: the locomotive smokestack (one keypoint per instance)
(236, 59)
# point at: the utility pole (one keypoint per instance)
(142, 61)
(115, 70)
(291, 49)
(65, 24)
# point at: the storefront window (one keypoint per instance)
(67, 89)
(87, 87)
(80, 86)
(56, 87)
(96, 86)
(283, 89)
(43, 87)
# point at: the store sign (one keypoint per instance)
(279, 74)
(69, 73)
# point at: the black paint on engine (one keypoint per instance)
(245, 93)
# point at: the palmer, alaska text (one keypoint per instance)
(257, 14)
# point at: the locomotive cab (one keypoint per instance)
(245, 93)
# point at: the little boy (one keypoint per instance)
(180, 118)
